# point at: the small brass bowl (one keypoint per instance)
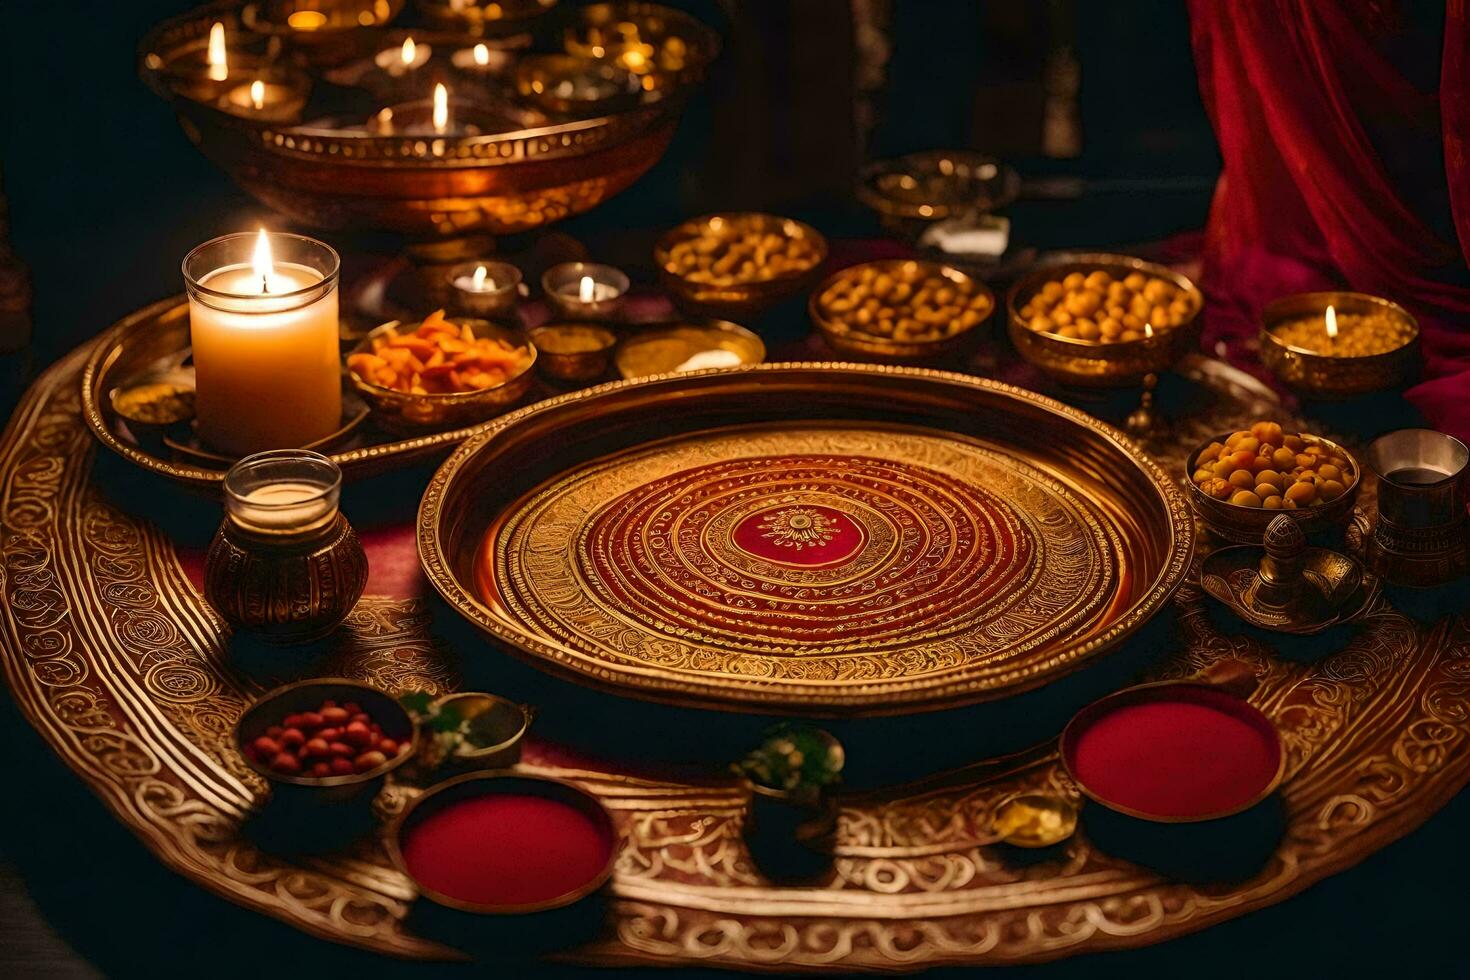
(745, 298)
(573, 351)
(1247, 525)
(909, 192)
(1091, 363)
(664, 350)
(570, 85)
(270, 708)
(325, 31)
(1327, 376)
(399, 411)
(504, 721)
(874, 347)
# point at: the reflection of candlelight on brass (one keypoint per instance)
(219, 67)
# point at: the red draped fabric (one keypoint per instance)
(1343, 125)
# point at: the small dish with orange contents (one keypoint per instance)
(1313, 479)
(441, 372)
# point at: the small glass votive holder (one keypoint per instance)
(1419, 538)
(585, 290)
(284, 565)
(266, 347)
(484, 289)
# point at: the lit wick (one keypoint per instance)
(257, 94)
(262, 261)
(1148, 330)
(482, 55)
(219, 68)
(1331, 322)
(587, 290)
(441, 108)
(477, 281)
(408, 52)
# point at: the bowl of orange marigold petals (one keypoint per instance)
(442, 372)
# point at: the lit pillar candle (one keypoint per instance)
(263, 320)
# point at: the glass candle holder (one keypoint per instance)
(585, 290)
(263, 322)
(484, 289)
(284, 565)
(1420, 535)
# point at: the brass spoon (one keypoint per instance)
(1035, 820)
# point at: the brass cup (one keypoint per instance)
(401, 411)
(573, 352)
(737, 299)
(491, 304)
(1326, 376)
(1090, 363)
(507, 720)
(1419, 538)
(1247, 525)
(560, 284)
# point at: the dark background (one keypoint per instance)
(106, 196)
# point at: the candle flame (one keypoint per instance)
(482, 55)
(1331, 322)
(441, 107)
(478, 279)
(409, 51)
(257, 94)
(1148, 330)
(262, 262)
(587, 290)
(219, 67)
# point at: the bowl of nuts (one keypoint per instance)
(441, 372)
(1102, 320)
(900, 309)
(1240, 481)
(738, 264)
(329, 740)
(1338, 344)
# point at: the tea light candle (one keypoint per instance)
(480, 60)
(269, 101)
(487, 289)
(265, 341)
(439, 115)
(204, 70)
(584, 290)
(403, 59)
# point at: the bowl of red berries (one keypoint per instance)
(335, 738)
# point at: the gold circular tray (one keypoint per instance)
(964, 541)
(116, 661)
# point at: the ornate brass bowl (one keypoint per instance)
(912, 191)
(489, 18)
(1327, 376)
(1247, 525)
(841, 337)
(1091, 364)
(403, 411)
(330, 173)
(322, 30)
(737, 300)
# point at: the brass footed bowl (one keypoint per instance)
(1247, 525)
(737, 300)
(873, 347)
(330, 174)
(1326, 376)
(1088, 363)
(400, 411)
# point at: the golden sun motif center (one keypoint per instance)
(798, 528)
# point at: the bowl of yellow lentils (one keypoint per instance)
(1364, 344)
(739, 263)
(1103, 320)
(1240, 481)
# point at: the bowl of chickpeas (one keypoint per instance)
(738, 264)
(1101, 320)
(1373, 343)
(900, 310)
(1239, 481)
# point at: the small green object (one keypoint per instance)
(800, 761)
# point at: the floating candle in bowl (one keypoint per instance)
(1338, 344)
(585, 290)
(402, 59)
(204, 70)
(280, 99)
(263, 321)
(481, 59)
(439, 115)
(488, 289)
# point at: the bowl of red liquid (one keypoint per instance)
(1174, 752)
(505, 844)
